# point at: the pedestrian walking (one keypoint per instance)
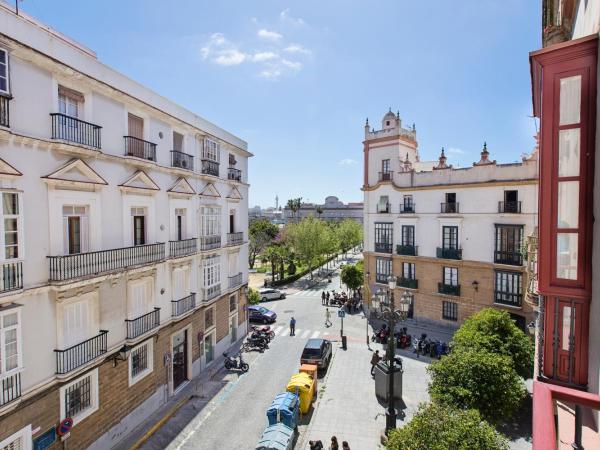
(323, 297)
(374, 361)
(315, 445)
(327, 298)
(327, 318)
(292, 327)
(334, 444)
(345, 446)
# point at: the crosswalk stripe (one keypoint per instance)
(315, 334)
(305, 334)
(286, 332)
(278, 330)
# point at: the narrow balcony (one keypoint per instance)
(449, 289)
(11, 277)
(234, 174)
(235, 280)
(71, 129)
(210, 242)
(383, 247)
(76, 356)
(407, 250)
(185, 247)
(141, 325)
(4, 111)
(508, 299)
(68, 267)
(211, 293)
(409, 283)
(139, 148)
(182, 160)
(235, 238)
(509, 207)
(514, 258)
(10, 389)
(183, 305)
(449, 208)
(382, 278)
(385, 176)
(384, 208)
(449, 253)
(407, 208)
(210, 167)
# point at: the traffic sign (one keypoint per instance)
(341, 313)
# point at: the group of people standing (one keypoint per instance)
(334, 298)
(318, 445)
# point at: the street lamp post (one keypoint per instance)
(384, 308)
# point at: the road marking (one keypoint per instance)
(305, 334)
(286, 332)
(315, 334)
(278, 330)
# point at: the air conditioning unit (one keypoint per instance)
(184, 164)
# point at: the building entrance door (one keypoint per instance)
(180, 363)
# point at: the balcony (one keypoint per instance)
(182, 160)
(235, 238)
(141, 325)
(407, 250)
(509, 207)
(183, 305)
(185, 247)
(4, 111)
(68, 267)
(449, 208)
(449, 253)
(385, 176)
(139, 148)
(235, 280)
(71, 129)
(382, 247)
(211, 293)
(210, 167)
(508, 299)
(409, 283)
(11, 277)
(384, 208)
(76, 356)
(449, 289)
(514, 258)
(407, 208)
(234, 174)
(10, 389)
(210, 242)
(382, 278)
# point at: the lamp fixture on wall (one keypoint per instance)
(475, 285)
(122, 355)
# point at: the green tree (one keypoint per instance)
(261, 233)
(308, 239)
(319, 211)
(352, 276)
(477, 379)
(350, 234)
(294, 205)
(253, 296)
(438, 427)
(494, 331)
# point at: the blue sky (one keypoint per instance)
(297, 79)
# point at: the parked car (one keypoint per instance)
(317, 352)
(270, 294)
(261, 314)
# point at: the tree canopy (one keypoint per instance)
(352, 276)
(261, 233)
(309, 240)
(349, 233)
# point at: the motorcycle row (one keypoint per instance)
(257, 340)
(434, 348)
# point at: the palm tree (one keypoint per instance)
(294, 205)
(319, 211)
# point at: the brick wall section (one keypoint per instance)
(222, 311)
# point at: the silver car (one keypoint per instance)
(270, 294)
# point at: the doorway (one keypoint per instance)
(180, 359)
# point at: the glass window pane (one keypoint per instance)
(568, 153)
(10, 203)
(566, 328)
(566, 255)
(570, 100)
(3, 85)
(10, 320)
(568, 204)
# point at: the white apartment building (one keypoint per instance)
(123, 243)
(452, 236)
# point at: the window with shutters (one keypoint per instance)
(181, 282)
(11, 225)
(4, 88)
(75, 229)
(141, 361)
(140, 298)
(79, 398)
(211, 271)
(139, 225)
(76, 322)
(69, 103)
(10, 341)
(21, 440)
(177, 142)
(210, 150)
(210, 221)
(209, 318)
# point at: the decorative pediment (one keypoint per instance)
(235, 194)
(75, 174)
(140, 181)
(6, 170)
(210, 191)
(182, 186)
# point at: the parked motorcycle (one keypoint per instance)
(403, 339)
(236, 362)
(255, 342)
(264, 331)
(381, 335)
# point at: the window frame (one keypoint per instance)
(210, 220)
(7, 64)
(212, 315)
(450, 238)
(19, 232)
(19, 334)
(449, 310)
(412, 271)
(24, 434)
(383, 263)
(453, 274)
(94, 397)
(211, 150)
(384, 235)
(408, 235)
(133, 379)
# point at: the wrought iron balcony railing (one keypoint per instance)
(449, 289)
(407, 250)
(407, 208)
(234, 174)
(11, 277)
(80, 354)
(182, 160)
(382, 278)
(449, 253)
(10, 388)
(384, 208)
(210, 242)
(143, 324)
(183, 248)
(508, 298)
(183, 305)
(139, 148)
(409, 283)
(383, 247)
(211, 292)
(449, 208)
(385, 176)
(235, 280)
(514, 258)
(71, 129)
(67, 267)
(509, 207)
(235, 238)
(210, 167)
(4, 111)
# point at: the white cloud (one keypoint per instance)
(455, 151)
(269, 35)
(297, 48)
(264, 56)
(294, 65)
(287, 17)
(347, 162)
(221, 51)
(271, 73)
(230, 57)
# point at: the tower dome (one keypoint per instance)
(390, 120)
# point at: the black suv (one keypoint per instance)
(317, 352)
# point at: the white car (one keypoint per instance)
(270, 294)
